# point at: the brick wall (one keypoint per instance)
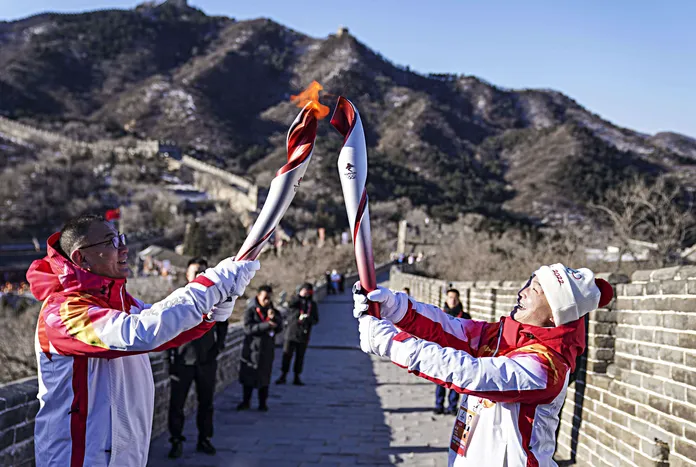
(18, 402)
(634, 400)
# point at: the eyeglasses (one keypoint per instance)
(117, 241)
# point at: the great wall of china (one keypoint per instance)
(240, 193)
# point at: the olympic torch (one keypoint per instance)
(300, 145)
(352, 170)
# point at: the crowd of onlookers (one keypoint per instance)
(17, 288)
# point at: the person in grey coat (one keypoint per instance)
(261, 323)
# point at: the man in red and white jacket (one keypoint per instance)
(513, 374)
(96, 390)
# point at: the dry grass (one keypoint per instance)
(17, 327)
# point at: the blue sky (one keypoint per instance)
(632, 62)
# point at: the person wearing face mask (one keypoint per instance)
(261, 324)
(512, 374)
(96, 389)
(453, 307)
(303, 314)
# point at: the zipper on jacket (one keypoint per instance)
(500, 336)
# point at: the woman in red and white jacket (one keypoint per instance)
(513, 374)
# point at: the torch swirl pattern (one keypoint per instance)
(300, 144)
(352, 169)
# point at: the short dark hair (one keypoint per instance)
(265, 288)
(407, 290)
(198, 260)
(75, 232)
(456, 292)
(307, 286)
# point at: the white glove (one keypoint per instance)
(376, 335)
(392, 306)
(232, 277)
(222, 311)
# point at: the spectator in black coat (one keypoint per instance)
(194, 361)
(261, 323)
(303, 313)
(453, 307)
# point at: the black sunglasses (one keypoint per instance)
(117, 241)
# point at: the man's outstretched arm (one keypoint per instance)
(80, 324)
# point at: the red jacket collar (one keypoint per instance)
(567, 340)
(56, 273)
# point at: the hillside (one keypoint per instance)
(220, 88)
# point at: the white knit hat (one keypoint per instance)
(572, 293)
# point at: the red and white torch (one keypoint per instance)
(300, 145)
(352, 170)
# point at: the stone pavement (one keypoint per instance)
(355, 410)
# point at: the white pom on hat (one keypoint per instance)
(572, 293)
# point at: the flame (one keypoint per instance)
(311, 96)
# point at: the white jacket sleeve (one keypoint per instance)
(528, 374)
(432, 324)
(82, 325)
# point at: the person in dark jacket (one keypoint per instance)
(194, 361)
(453, 307)
(303, 313)
(261, 323)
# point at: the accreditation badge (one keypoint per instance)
(465, 425)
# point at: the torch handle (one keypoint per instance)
(373, 307)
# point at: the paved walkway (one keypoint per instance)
(355, 410)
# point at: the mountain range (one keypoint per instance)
(220, 88)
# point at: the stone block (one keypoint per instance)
(604, 316)
(675, 391)
(646, 335)
(670, 355)
(651, 319)
(647, 414)
(664, 274)
(12, 417)
(686, 272)
(601, 341)
(674, 320)
(641, 460)
(653, 384)
(667, 338)
(627, 317)
(686, 305)
(648, 351)
(13, 395)
(684, 411)
(601, 328)
(643, 367)
(632, 290)
(600, 354)
(24, 431)
(691, 287)
(687, 340)
(653, 288)
(659, 403)
(685, 448)
(673, 287)
(6, 438)
(684, 376)
(641, 275)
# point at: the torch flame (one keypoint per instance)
(311, 96)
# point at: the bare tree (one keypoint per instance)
(659, 212)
